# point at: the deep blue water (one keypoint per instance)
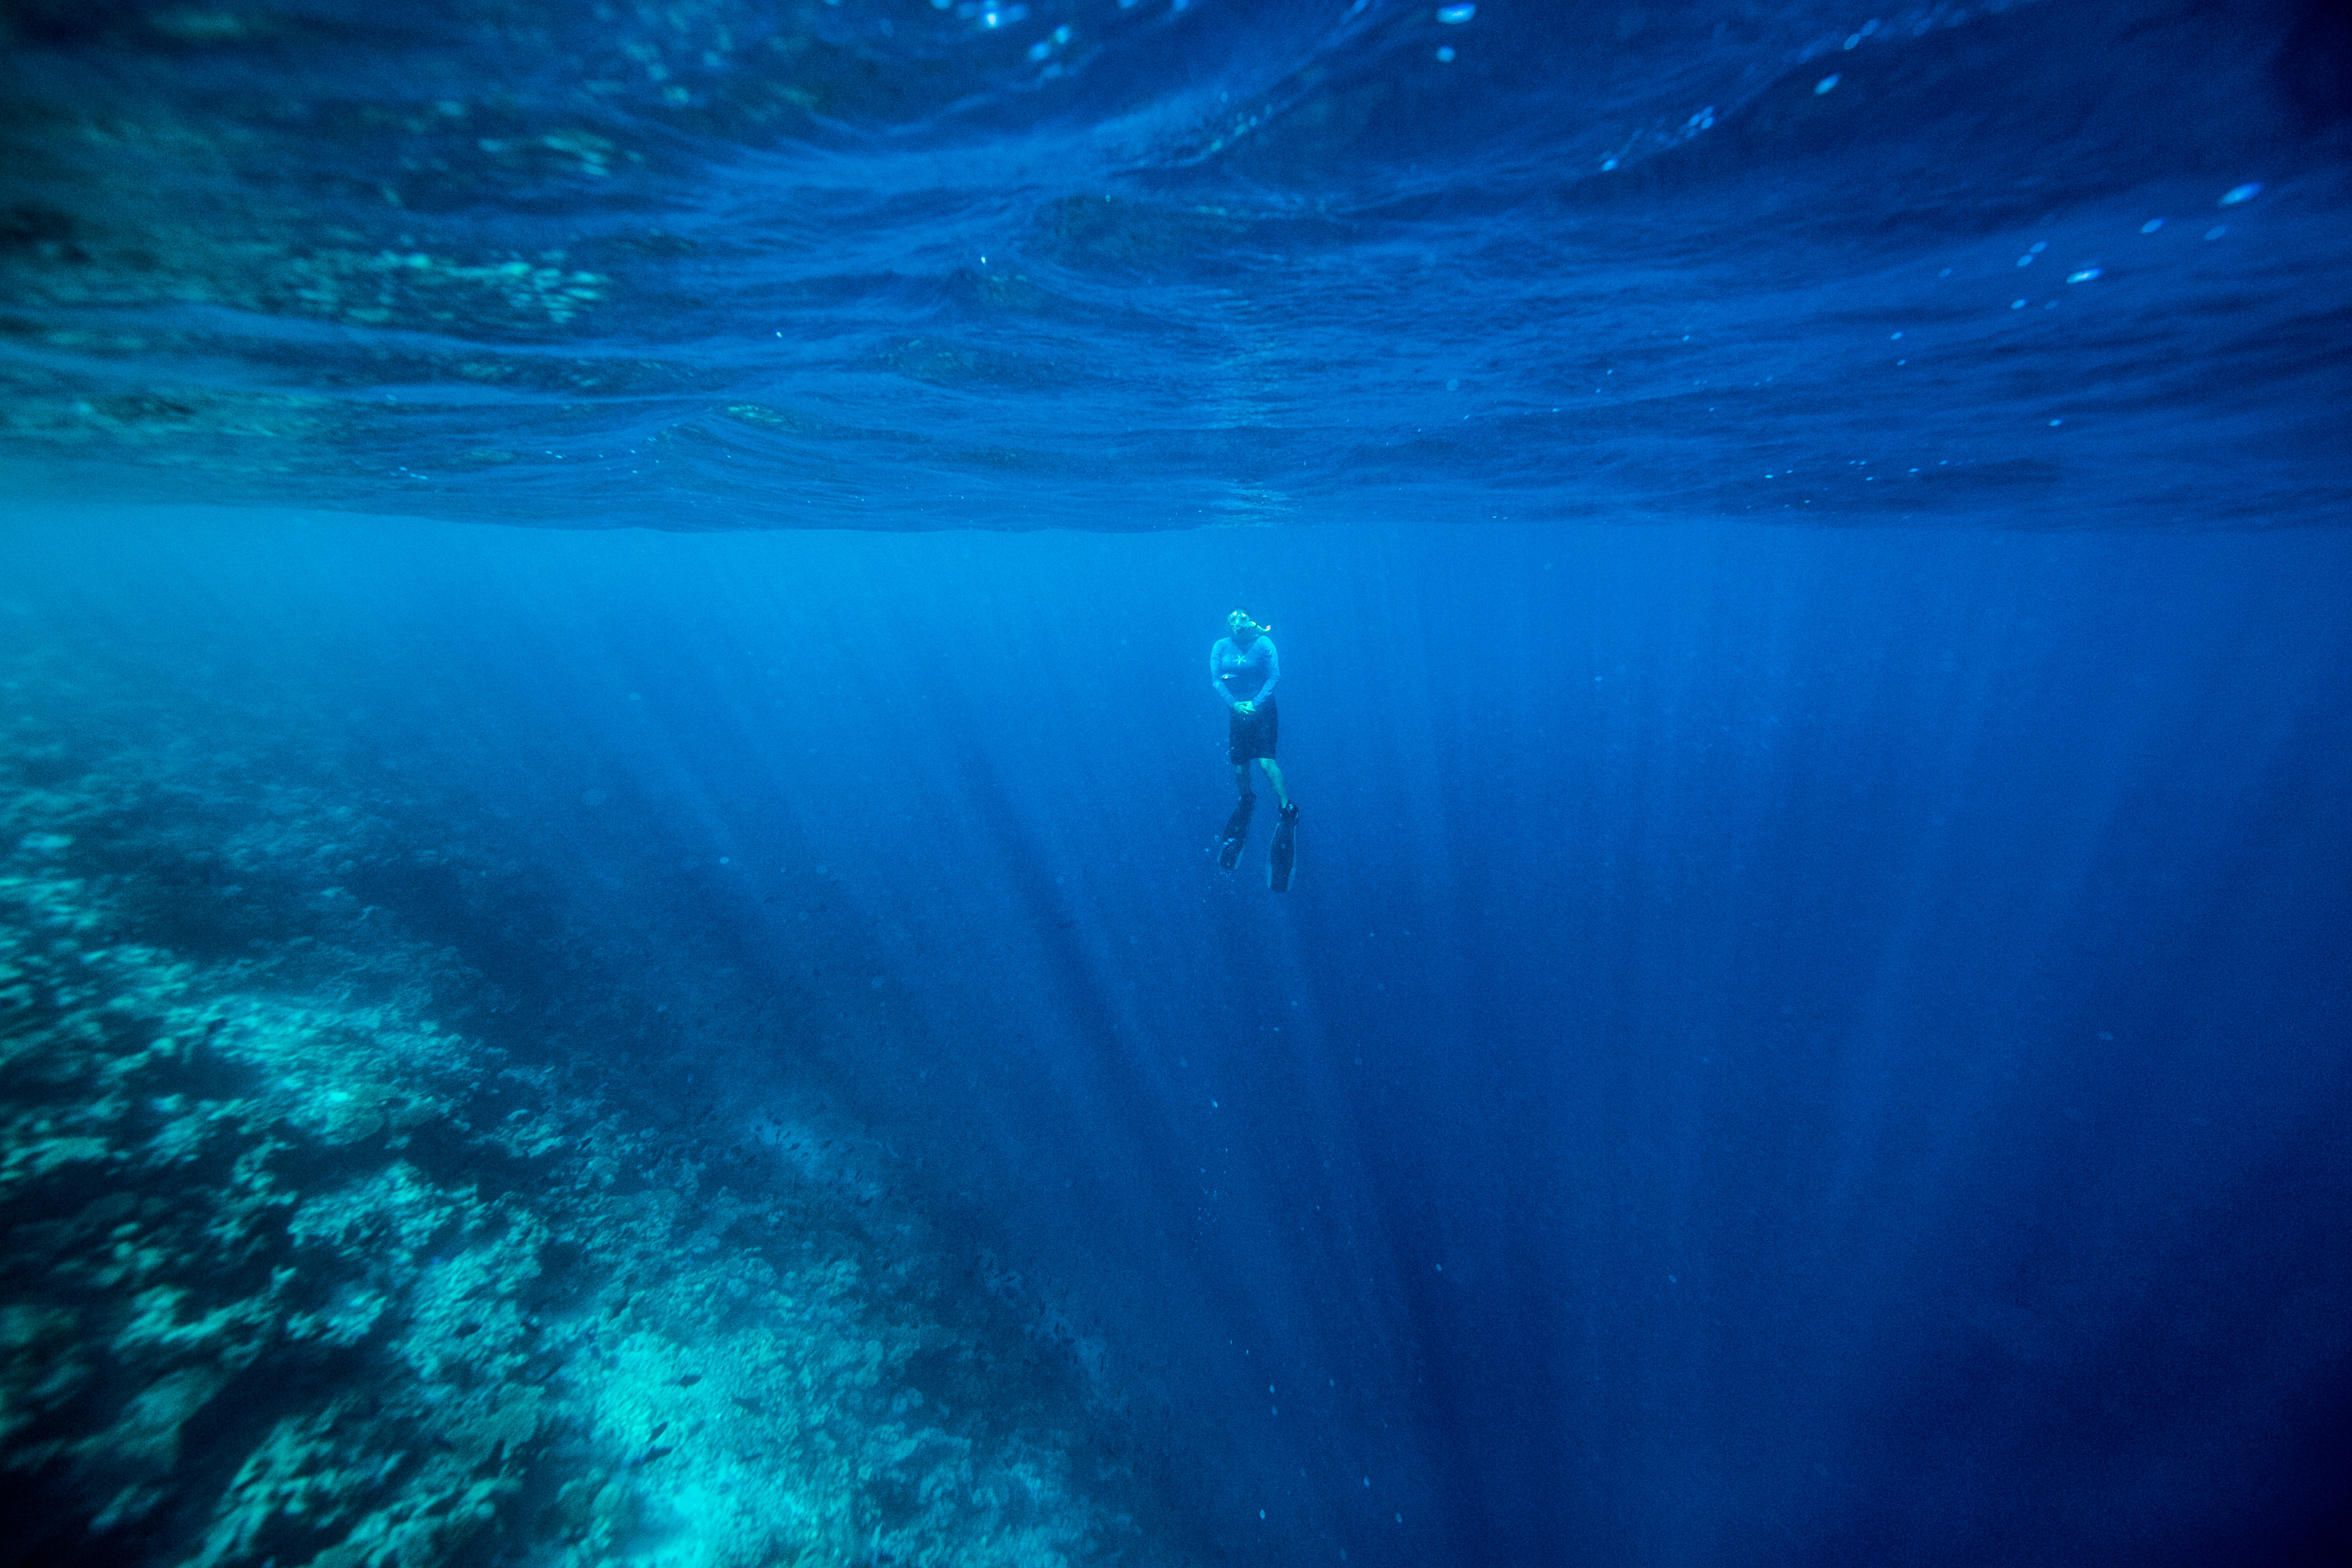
(1813, 1026)
(1785, 1046)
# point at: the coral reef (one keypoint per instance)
(298, 1275)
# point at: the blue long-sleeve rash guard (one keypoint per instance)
(1231, 670)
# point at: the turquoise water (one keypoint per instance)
(612, 950)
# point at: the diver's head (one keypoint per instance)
(1243, 625)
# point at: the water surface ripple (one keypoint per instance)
(906, 263)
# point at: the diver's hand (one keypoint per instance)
(1245, 708)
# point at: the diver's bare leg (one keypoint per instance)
(1273, 776)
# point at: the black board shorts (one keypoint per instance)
(1252, 735)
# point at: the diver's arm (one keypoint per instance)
(1273, 672)
(1217, 673)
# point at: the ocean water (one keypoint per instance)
(611, 946)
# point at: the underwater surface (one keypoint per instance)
(612, 948)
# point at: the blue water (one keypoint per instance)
(1784, 1044)
(888, 265)
(1807, 549)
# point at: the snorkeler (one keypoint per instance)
(1245, 662)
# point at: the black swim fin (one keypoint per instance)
(1286, 850)
(1237, 832)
